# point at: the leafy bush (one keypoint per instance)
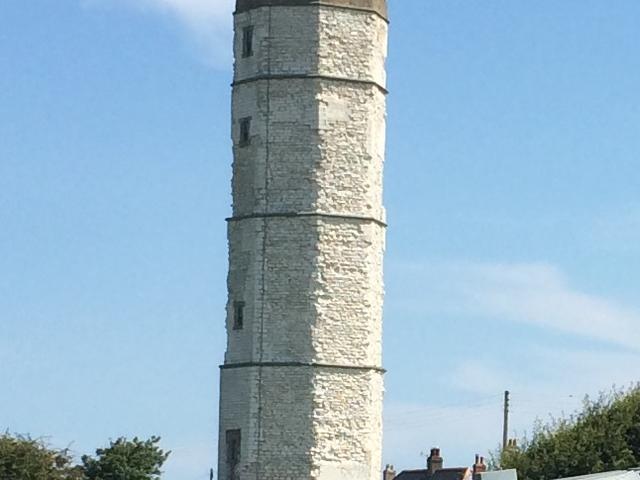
(126, 460)
(23, 458)
(604, 436)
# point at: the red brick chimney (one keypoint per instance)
(435, 461)
(389, 473)
(478, 467)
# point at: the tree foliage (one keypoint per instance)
(24, 458)
(604, 436)
(126, 460)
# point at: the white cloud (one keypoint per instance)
(561, 374)
(543, 380)
(208, 22)
(541, 295)
(475, 377)
(462, 428)
(534, 293)
(410, 430)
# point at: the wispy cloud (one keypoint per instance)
(207, 22)
(538, 294)
(544, 380)
(563, 374)
(541, 294)
(479, 378)
(473, 424)
(460, 430)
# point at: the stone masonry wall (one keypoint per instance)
(302, 378)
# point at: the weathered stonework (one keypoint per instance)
(302, 378)
(377, 6)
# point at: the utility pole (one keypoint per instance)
(505, 424)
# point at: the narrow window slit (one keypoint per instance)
(233, 440)
(245, 131)
(238, 315)
(247, 41)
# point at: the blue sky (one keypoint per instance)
(512, 182)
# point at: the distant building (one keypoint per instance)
(435, 470)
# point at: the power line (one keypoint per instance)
(437, 409)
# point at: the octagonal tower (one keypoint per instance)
(301, 384)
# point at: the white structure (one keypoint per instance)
(511, 474)
(613, 475)
(302, 383)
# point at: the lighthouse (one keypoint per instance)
(302, 380)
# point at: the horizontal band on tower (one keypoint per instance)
(307, 214)
(312, 76)
(377, 7)
(232, 366)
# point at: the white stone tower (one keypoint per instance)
(302, 382)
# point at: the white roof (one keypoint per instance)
(615, 475)
(501, 475)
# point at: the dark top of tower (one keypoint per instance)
(377, 6)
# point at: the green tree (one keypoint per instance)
(126, 460)
(23, 458)
(604, 436)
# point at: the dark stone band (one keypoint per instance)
(232, 366)
(379, 7)
(312, 76)
(307, 214)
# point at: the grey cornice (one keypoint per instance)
(364, 368)
(312, 76)
(379, 7)
(355, 218)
